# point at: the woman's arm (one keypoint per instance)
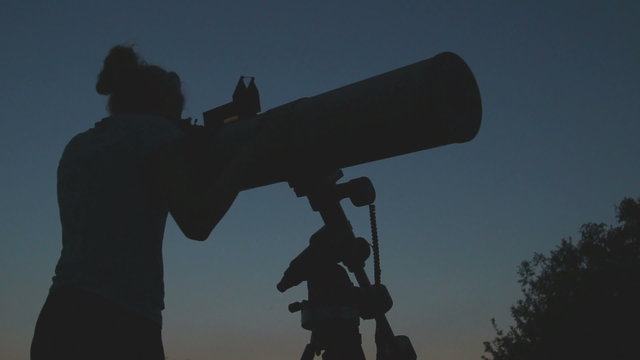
(197, 184)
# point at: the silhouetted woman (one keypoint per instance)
(116, 184)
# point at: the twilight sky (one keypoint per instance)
(558, 147)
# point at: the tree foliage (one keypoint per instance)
(582, 301)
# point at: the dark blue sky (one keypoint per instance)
(558, 147)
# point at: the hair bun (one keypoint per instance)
(119, 66)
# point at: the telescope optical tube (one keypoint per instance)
(427, 104)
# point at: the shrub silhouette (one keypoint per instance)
(581, 301)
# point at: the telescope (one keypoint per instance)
(427, 104)
(307, 142)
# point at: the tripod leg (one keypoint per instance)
(308, 353)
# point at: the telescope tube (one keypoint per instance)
(427, 104)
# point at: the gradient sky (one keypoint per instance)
(558, 147)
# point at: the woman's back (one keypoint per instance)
(112, 223)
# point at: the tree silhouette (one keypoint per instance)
(582, 301)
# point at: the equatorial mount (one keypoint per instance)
(333, 310)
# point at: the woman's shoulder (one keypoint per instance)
(130, 131)
(148, 123)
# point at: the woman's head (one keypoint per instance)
(136, 87)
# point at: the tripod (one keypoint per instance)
(334, 308)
